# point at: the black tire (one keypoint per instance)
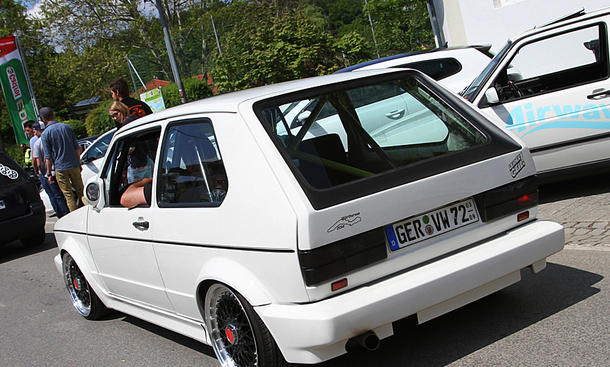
(82, 296)
(238, 335)
(35, 240)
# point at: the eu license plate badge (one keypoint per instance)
(431, 224)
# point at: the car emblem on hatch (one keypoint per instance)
(516, 165)
(348, 220)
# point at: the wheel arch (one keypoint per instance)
(239, 279)
(79, 251)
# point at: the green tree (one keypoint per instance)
(267, 48)
(401, 25)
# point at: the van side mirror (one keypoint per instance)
(491, 95)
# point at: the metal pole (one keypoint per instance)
(216, 35)
(136, 71)
(170, 51)
(437, 29)
(27, 76)
(372, 28)
(133, 80)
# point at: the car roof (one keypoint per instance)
(569, 19)
(229, 102)
(481, 48)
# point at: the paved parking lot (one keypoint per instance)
(583, 207)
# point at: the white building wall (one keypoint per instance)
(471, 22)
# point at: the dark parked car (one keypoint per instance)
(22, 214)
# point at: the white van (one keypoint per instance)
(550, 87)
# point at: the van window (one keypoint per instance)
(437, 69)
(99, 147)
(562, 61)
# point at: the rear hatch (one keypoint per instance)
(398, 173)
(16, 190)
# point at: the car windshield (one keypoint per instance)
(473, 89)
(99, 147)
(347, 134)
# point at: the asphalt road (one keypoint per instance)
(558, 317)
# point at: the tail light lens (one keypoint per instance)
(337, 258)
(508, 199)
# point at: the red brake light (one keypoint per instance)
(523, 216)
(339, 284)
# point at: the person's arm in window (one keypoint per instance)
(138, 193)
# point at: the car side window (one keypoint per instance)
(437, 69)
(562, 61)
(99, 148)
(132, 160)
(192, 172)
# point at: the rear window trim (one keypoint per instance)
(498, 143)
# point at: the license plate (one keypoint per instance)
(431, 224)
(2, 204)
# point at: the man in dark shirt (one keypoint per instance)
(62, 152)
(120, 92)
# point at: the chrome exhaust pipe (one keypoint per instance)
(367, 341)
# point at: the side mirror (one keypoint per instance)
(94, 193)
(491, 95)
(301, 118)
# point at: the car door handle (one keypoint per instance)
(396, 114)
(599, 93)
(141, 225)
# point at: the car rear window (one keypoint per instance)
(344, 135)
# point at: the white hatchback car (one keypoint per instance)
(277, 244)
(453, 67)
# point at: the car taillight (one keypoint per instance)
(337, 258)
(508, 199)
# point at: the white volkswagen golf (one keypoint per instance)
(281, 241)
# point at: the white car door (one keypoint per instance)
(119, 237)
(553, 91)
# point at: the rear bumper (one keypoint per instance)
(25, 226)
(311, 333)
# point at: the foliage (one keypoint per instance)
(195, 89)
(354, 47)
(14, 151)
(401, 25)
(80, 130)
(77, 47)
(266, 49)
(98, 120)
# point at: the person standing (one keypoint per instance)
(56, 196)
(120, 92)
(29, 132)
(61, 149)
(119, 112)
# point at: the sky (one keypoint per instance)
(33, 6)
